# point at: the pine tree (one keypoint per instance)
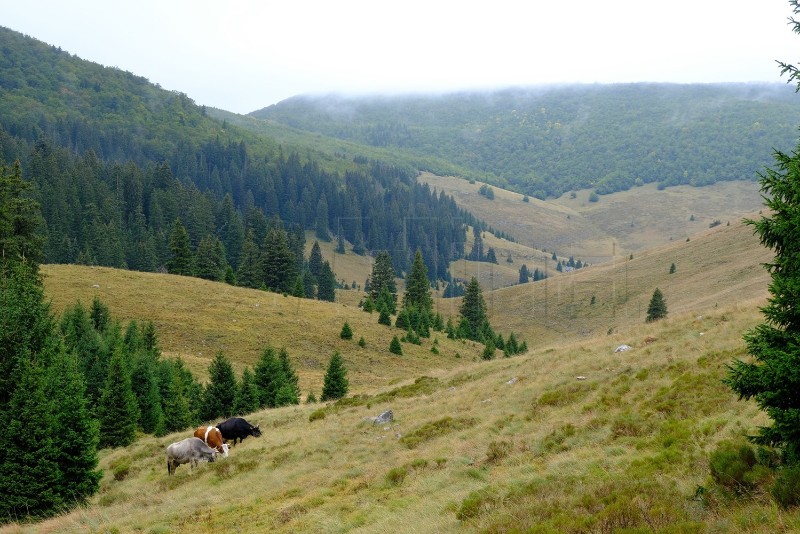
(25, 324)
(771, 378)
(220, 392)
(117, 409)
(315, 260)
(268, 377)
(418, 287)
(657, 309)
(249, 272)
(321, 220)
(524, 275)
(75, 433)
(326, 289)
(100, 315)
(144, 383)
(20, 220)
(383, 277)
(246, 394)
(278, 262)
(30, 477)
(181, 258)
(292, 393)
(347, 332)
(210, 262)
(175, 403)
(335, 383)
(473, 310)
(395, 347)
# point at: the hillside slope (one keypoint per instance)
(572, 438)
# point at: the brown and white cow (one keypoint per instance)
(212, 437)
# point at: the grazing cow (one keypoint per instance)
(212, 437)
(188, 451)
(237, 428)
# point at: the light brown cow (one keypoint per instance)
(212, 437)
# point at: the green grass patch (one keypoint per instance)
(435, 429)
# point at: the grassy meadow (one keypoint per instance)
(570, 437)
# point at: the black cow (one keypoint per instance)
(237, 428)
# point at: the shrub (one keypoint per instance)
(316, 414)
(396, 475)
(475, 503)
(395, 347)
(786, 488)
(498, 450)
(731, 466)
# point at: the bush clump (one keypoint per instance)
(734, 466)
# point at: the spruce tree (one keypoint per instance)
(315, 260)
(347, 332)
(210, 262)
(418, 287)
(75, 433)
(335, 383)
(144, 383)
(292, 394)
(246, 394)
(278, 262)
(181, 257)
(326, 289)
(20, 220)
(117, 409)
(268, 377)
(25, 323)
(473, 311)
(395, 347)
(175, 403)
(383, 277)
(30, 477)
(220, 392)
(657, 309)
(249, 272)
(771, 377)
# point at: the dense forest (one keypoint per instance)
(119, 164)
(549, 140)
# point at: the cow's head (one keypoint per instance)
(256, 431)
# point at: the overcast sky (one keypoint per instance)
(244, 55)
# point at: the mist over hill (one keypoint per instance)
(545, 141)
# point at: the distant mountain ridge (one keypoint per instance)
(545, 141)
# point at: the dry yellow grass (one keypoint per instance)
(617, 224)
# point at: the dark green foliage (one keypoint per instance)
(395, 347)
(347, 332)
(76, 433)
(279, 265)
(247, 399)
(418, 286)
(30, 478)
(489, 350)
(144, 383)
(381, 281)
(289, 392)
(491, 256)
(369, 305)
(473, 311)
(524, 275)
(786, 488)
(732, 466)
(315, 260)
(326, 288)
(249, 273)
(175, 396)
(672, 269)
(25, 323)
(335, 383)
(117, 409)
(657, 309)
(384, 318)
(181, 257)
(210, 262)
(266, 377)
(20, 220)
(100, 315)
(219, 394)
(362, 342)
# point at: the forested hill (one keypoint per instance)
(122, 167)
(548, 140)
